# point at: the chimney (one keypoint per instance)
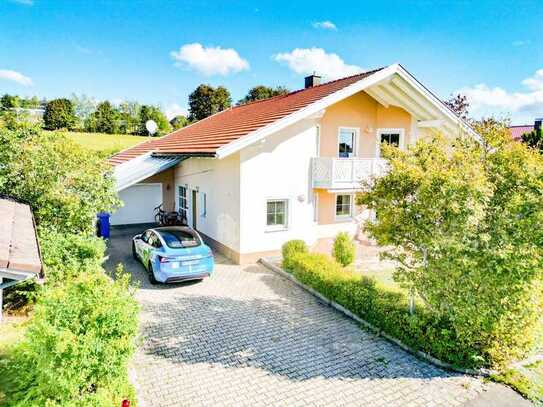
(312, 80)
(537, 125)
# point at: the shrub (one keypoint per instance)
(383, 307)
(67, 255)
(77, 345)
(291, 248)
(464, 222)
(344, 249)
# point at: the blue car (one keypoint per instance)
(172, 254)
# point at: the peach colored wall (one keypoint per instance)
(166, 178)
(363, 112)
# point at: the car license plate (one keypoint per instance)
(175, 265)
(190, 262)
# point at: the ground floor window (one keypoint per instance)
(183, 202)
(203, 204)
(344, 206)
(277, 213)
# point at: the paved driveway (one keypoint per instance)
(247, 337)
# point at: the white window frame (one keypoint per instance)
(356, 131)
(178, 196)
(340, 218)
(278, 228)
(385, 130)
(203, 204)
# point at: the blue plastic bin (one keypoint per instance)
(103, 225)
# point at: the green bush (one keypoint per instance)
(291, 248)
(344, 250)
(67, 255)
(77, 345)
(384, 307)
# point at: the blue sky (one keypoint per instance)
(159, 51)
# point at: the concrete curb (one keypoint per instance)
(473, 372)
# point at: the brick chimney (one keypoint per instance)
(312, 80)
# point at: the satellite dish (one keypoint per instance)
(151, 127)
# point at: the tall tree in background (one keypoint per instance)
(148, 112)
(459, 104)
(84, 106)
(59, 114)
(263, 92)
(105, 119)
(130, 117)
(207, 100)
(179, 121)
(10, 101)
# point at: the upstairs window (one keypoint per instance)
(346, 141)
(394, 137)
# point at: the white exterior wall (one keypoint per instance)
(278, 168)
(220, 181)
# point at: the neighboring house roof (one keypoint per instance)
(19, 250)
(518, 131)
(233, 129)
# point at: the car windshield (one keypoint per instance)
(178, 238)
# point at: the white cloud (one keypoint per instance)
(308, 60)
(524, 105)
(174, 109)
(209, 60)
(15, 77)
(325, 25)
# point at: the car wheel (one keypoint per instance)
(134, 253)
(152, 278)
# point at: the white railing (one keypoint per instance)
(345, 173)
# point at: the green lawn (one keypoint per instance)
(105, 143)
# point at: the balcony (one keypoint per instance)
(345, 173)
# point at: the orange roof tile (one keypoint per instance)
(206, 136)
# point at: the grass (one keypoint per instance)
(526, 380)
(105, 143)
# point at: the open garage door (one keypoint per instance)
(139, 201)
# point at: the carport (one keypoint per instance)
(20, 258)
(143, 183)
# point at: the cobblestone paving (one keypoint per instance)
(247, 337)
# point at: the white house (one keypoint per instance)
(254, 176)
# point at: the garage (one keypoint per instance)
(139, 202)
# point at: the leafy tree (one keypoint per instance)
(207, 100)
(148, 112)
(459, 104)
(534, 139)
(344, 250)
(130, 117)
(65, 184)
(10, 101)
(179, 121)
(105, 119)
(263, 92)
(84, 106)
(465, 224)
(30, 103)
(59, 114)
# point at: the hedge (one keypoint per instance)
(383, 307)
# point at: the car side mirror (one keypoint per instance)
(137, 237)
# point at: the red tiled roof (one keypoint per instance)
(518, 131)
(208, 135)
(18, 244)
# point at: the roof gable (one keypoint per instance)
(233, 129)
